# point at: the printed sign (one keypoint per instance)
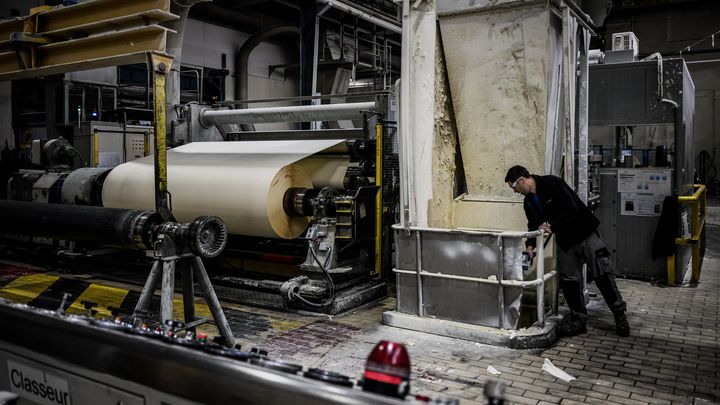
(646, 181)
(37, 386)
(642, 205)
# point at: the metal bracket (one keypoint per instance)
(160, 65)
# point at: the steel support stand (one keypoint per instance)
(192, 266)
(213, 302)
(149, 289)
(188, 292)
(166, 294)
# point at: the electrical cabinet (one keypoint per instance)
(108, 144)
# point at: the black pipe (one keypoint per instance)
(308, 14)
(128, 228)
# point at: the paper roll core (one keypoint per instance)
(284, 225)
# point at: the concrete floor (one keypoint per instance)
(672, 355)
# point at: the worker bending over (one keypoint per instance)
(551, 205)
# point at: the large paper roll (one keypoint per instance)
(241, 182)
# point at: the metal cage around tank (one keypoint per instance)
(471, 276)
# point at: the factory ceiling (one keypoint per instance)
(254, 15)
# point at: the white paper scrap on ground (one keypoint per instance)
(493, 371)
(556, 372)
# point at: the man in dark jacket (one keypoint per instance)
(551, 205)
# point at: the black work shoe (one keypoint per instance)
(622, 327)
(573, 327)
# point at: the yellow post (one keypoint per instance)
(671, 270)
(95, 149)
(378, 196)
(695, 226)
(697, 222)
(146, 144)
(160, 66)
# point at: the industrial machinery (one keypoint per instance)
(333, 227)
(643, 148)
(112, 361)
(108, 144)
(205, 237)
(329, 263)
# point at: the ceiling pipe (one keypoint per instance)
(361, 14)
(243, 55)
(174, 48)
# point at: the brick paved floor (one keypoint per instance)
(672, 355)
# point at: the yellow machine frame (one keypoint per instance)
(697, 203)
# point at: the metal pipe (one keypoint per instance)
(499, 275)
(304, 113)
(540, 276)
(359, 94)
(418, 272)
(584, 19)
(197, 77)
(404, 173)
(361, 14)
(402, 88)
(174, 47)
(507, 283)
(693, 62)
(505, 234)
(658, 56)
(205, 236)
(128, 228)
(243, 55)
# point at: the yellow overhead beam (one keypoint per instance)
(89, 17)
(65, 18)
(7, 27)
(93, 34)
(117, 48)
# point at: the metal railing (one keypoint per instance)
(697, 203)
(497, 279)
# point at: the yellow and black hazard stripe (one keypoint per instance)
(41, 289)
(46, 290)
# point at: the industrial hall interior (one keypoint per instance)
(359, 202)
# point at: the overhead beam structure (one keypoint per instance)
(88, 35)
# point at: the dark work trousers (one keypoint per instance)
(593, 252)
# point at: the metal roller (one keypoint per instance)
(84, 186)
(129, 228)
(304, 113)
(205, 236)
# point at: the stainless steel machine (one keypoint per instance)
(641, 123)
(108, 144)
(51, 357)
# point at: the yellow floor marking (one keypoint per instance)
(26, 288)
(103, 296)
(201, 311)
(283, 325)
